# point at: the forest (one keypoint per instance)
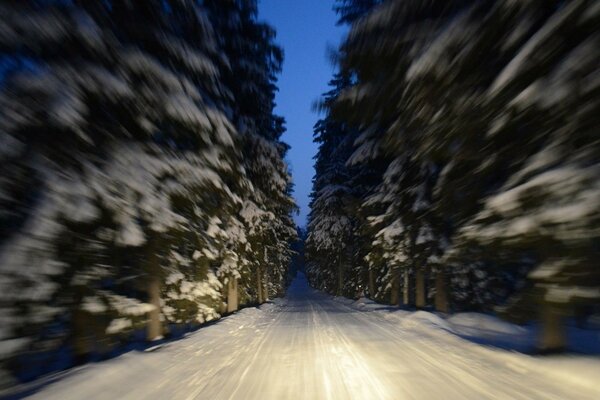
(143, 184)
(459, 160)
(151, 238)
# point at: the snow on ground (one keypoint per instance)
(310, 346)
(485, 329)
(496, 335)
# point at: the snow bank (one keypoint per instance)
(367, 304)
(343, 300)
(310, 345)
(480, 328)
(426, 320)
(386, 310)
(473, 323)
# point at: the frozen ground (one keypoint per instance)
(310, 346)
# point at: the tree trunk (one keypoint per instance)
(395, 294)
(82, 346)
(154, 331)
(441, 292)
(406, 289)
(232, 294)
(340, 277)
(265, 286)
(420, 287)
(552, 335)
(259, 287)
(371, 284)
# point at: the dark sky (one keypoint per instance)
(305, 29)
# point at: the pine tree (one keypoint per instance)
(329, 226)
(547, 207)
(479, 114)
(127, 168)
(254, 62)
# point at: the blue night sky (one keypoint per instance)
(305, 30)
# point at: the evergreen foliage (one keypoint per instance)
(476, 123)
(143, 172)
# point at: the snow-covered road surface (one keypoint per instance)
(309, 346)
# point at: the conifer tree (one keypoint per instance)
(128, 178)
(481, 114)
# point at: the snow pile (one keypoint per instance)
(480, 328)
(472, 323)
(425, 320)
(367, 304)
(343, 300)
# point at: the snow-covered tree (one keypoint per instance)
(126, 184)
(330, 226)
(548, 207)
(484, 113)
(254, 61)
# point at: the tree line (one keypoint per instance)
(143, 183)
(459, 159)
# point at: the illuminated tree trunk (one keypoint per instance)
(259, 287)
(441, 292)
(420, 288)
(395, 294)
(552, 335)
(406, 289)
(232, 294)
(265, 286)
(154, 331)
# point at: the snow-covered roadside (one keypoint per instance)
(497, 338)
(167, 370)
(308, 346)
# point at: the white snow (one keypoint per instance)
(470, 323)
(131, 235)
(527, 52)
(310, 346)
(563, 294)
(126, 305)
(118, 325)
(93, 305)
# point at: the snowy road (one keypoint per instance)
(309, 346)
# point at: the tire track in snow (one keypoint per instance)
(311, 347)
